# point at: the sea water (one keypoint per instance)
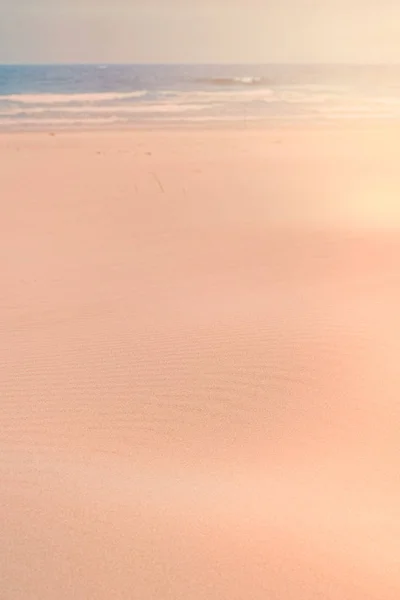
(39, 96)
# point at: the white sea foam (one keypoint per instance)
(234, 81)
(110, 110)
(61, 121)
(222, 95)
(71, 98)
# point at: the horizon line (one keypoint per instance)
(199, 64)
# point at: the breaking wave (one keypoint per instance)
(34, 99)
(235, 81)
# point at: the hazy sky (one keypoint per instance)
(199, 31)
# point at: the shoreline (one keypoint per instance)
(235, 125)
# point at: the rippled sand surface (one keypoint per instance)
(199, 381)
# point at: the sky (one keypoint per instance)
(200, 31)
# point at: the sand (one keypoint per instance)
(199, 364)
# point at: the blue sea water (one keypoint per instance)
(107, 95)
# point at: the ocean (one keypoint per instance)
(60, 96)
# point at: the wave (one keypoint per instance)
(218, 96)
(94, 98)
(235, 103)
(235, 81)
(87, 111)
(60, 122)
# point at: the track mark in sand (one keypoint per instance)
(160, 185)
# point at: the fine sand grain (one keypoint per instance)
(199, 345)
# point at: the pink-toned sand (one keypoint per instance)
(199, 348)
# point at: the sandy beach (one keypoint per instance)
(199, 372)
